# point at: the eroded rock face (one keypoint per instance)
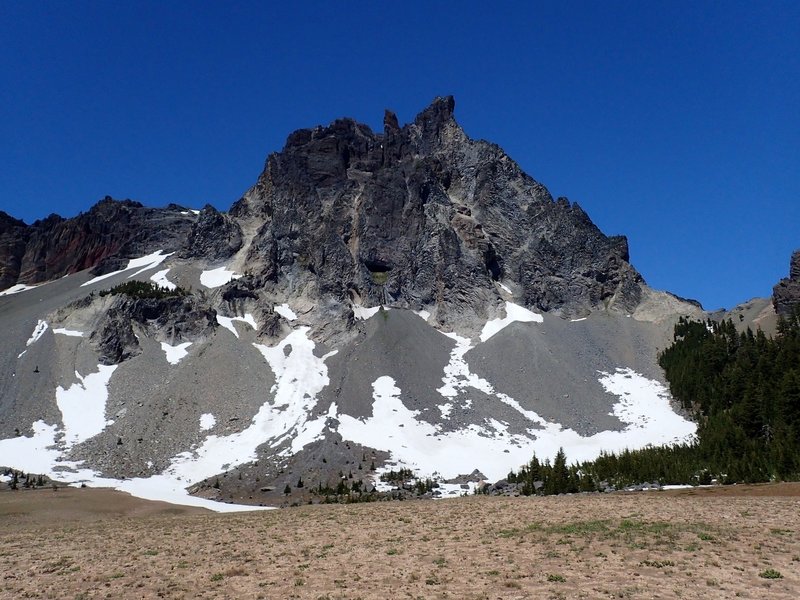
(107, 235)
(12, 249)
(786, 294)
(424, 215)
(173, 320)
(214, 236)
(414, 216)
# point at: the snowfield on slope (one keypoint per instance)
(227, 322)
(643, 405)
(288, 420)
(215, 278)
(142, 263)
(160, 279)
(16, 289)
(175, 353)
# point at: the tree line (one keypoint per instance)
(742, 389)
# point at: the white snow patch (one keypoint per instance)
(423, 314)
(514, 312)
(217, 277)
(577, 320)
(175, 353)
(248, 318)
(423, 446)
(227, 322)
(453, 490)
(643, 406)
(207, 421)
(362, 314)
(142, 263)
(457, 376)
(684, 486)
(194, 211)
(16, 289)
(35, 454)
(68, 332)
(38, 332)
(445, 409)
(506, 289)
(286, 312)
(83, 405)
(299, 378)
(83, 409)
(160, 279)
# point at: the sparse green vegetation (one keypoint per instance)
(144, 289)
(770, 574)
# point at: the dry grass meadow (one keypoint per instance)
(711, 543)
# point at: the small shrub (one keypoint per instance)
(770, 574)
(556, 578)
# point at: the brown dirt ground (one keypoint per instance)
(709, 543)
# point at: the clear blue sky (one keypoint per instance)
(674, 123)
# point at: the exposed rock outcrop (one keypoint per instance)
(214, 236)
(416, 216)
(786, 294)
(12, 249)
(106, 236)
(173, 320)
(424, 216)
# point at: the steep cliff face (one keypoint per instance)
(172, 320)
(422, 215)
(107, 235)
(786, 294)
(416, 216)
(13, 238)
(215, 236)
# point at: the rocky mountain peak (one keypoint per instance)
(786, 294)
(417, 216)
(424, 216)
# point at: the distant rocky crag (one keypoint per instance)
(111, 231)
(786, 294)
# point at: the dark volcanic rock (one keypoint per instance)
(424, 215)
(214, 236)
(173, 319)
(109, 234)
(12, 248)
(418, 215)
(786, 294)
